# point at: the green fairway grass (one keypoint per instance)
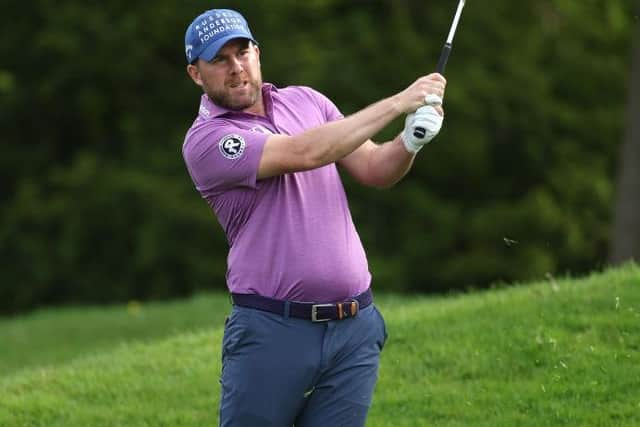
(58, 335)
(553, 353)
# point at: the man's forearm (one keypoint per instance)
(389, 162)
(379, 165)
(337, 140)
(333, 141)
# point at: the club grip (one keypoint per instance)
(420, 132)
(444, 57)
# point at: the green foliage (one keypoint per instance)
(555, 353)
(112, 233)
(94, 102)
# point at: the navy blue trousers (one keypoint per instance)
(281, 371)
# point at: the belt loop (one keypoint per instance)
(287, 306)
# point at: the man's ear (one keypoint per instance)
(194, 73)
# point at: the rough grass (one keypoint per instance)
(555, 353)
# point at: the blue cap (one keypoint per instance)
(211, 30)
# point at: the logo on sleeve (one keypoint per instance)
(232, 146)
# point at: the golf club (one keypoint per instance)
(420, 132)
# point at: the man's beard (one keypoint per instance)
(226, 100)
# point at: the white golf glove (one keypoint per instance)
(428, 122)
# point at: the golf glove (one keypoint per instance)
(425, 117)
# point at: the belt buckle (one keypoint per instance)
(314, 312)
(354, 307)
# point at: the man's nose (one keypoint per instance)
(236, 66)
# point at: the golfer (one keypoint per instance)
(303, 340)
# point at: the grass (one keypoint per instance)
(55, 336)
(554, 353)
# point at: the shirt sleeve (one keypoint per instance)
(221, 157)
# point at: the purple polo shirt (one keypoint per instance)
(291, 236)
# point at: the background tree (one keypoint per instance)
(625, 244)
(94, 104)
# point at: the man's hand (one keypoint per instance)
(421, 92)
(427, 118)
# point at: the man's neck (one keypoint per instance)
(258, 107)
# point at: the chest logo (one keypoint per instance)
(232, 146)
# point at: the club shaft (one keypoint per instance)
(454, 24)
(420, 132)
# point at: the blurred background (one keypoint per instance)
(536, 172)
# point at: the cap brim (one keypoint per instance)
(212, 50)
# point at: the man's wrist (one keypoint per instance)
(407, 142)
(396, 105)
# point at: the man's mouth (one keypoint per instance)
(236, 85)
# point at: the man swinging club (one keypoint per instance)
(302, 343)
